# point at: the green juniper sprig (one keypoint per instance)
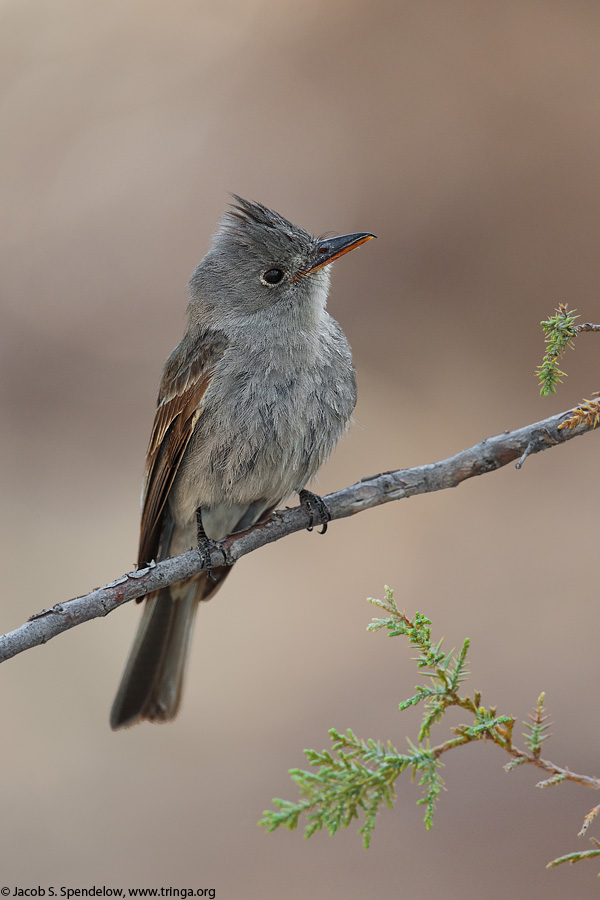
(356, 777)
(560, 330)
(536, 729)
(577, 856)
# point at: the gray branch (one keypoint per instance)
(492, 453)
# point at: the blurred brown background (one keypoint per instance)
(466, 135)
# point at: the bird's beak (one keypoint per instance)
(332, 248)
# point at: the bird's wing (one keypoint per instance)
(186, 377)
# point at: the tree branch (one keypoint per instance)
(490, 454)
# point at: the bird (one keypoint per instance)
(250, 405)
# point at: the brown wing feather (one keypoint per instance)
(185, 380)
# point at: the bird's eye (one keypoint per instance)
(272, 276)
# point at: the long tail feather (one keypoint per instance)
(152, 682)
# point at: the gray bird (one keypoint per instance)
(251, 403)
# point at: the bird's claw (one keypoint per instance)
(318, 510)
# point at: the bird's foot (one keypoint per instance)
(204, 546)
(317, 510)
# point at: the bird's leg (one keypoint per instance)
(317, 510)
(203, 545)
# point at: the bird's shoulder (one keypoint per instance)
(185, 377)
(190, 362)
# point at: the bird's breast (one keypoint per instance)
(268, 422)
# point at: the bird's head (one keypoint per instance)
(259, 261)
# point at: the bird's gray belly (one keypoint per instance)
(250, 451)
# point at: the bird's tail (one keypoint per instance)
(152, 682)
